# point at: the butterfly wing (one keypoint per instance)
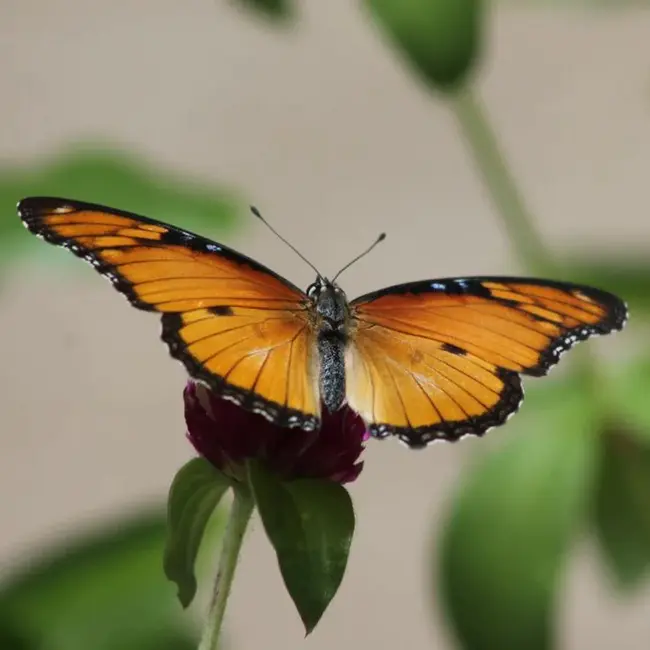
(235, 325)
(441, 359)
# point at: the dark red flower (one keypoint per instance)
(226, 435)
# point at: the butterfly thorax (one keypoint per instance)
(332, 322)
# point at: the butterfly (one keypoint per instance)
(423, 361)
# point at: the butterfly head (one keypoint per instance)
(330, 303)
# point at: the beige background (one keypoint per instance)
(320, 127)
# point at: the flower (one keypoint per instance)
(226, 435)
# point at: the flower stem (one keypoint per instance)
(515, 215)
(508, 199)
(240, 513)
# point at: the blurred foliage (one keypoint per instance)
(279, 10)
(440, 38)
(622, 506)
(11, 638)
(579, 4)
(514, 520)
(104, 590)
(577, 458)
(116, 179)
(628, 394)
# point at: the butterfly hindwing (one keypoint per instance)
(234, 324)
(441, 359)
(424, 361)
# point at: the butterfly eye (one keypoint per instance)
(312, 290)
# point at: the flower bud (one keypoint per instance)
(440, 38)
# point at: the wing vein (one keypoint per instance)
(433, 404)
(226, 331)
(468, 339)
(399, 394)
(450, 337)
(462, 372)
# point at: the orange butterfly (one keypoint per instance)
(436, 359)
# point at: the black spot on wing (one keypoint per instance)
(220, 310)
(453, 349)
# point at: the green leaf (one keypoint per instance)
(274, 9)
(104, 590)
(440, 38)
(310, 524)
(622, 507)
(116, 179)
(626, 274)
(194, 495)
(578, 4)
(627, 397)
(512, 523)
(11, 638)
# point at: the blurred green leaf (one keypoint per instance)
(104, 591)
(275, 9)
(170, 641)
(194, 495)
(310, 523)
(579, 4)
(116, 179)
(12, 638)
(513, 521)
(440, 38)
(627, 275)
(627, 395)
(622, 507)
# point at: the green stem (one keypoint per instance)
(240, 513)
(508, 199)
(511, 207)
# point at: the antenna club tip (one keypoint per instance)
(255, 211)
(382, 237)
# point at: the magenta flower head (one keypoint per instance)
(226, 435)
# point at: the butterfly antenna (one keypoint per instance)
(256, 212)
(358, 257)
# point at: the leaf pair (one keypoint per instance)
(519, 512)
(513, 523)
(622, 508)
(621, 515)
(309, 522)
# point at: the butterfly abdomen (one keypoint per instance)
(331, 350)
(332, 316)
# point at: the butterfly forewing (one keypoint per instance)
(440, 359)
(424, 361)
(234, 324)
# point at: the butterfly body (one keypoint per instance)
(423, 361)
(333, 321)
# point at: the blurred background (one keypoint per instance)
(187, 112)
